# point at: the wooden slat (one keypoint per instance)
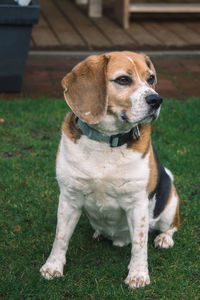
(42, 35)
(194, 26)
(143, 38)
(191, 37)
(115, 33)
(62, 28)
(165, 8)
(166, 36)
(92, 36)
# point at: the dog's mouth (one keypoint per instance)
(150, 117)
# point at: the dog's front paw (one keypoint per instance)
(137, 278)
(52, 269)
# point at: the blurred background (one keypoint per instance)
(69, 30)
(117, 25)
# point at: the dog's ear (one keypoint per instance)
(150, 66)
(85, 89)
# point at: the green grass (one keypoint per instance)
(29, 138)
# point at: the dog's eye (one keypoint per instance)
(151, 79)
(123, 80)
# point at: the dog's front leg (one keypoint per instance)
(138, 222)
(68, 217)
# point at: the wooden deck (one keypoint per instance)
(65, 26)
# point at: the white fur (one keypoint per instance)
(164, 240)
(169, 173)
(130, 59)
(111, 125)
(140, 108)
(109, 184)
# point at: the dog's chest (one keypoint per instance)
(100, 176)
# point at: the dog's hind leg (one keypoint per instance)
(168, 222)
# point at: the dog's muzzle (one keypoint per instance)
(154, 101)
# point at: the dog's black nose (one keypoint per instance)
(154, 100)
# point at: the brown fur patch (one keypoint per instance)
(153, 173)
(143, 143)
(117, 104)
(70, 127)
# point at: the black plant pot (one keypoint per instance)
(15, 33)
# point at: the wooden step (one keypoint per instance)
(164, 8)
(123, 8)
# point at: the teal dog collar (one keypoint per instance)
(115, 140)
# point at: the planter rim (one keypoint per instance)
(19, 15)
(34, 3)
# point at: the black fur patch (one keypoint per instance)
(162, 189)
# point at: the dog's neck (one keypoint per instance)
(103, 132)
(112, 125)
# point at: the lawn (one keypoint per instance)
(29, 136)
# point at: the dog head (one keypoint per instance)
(117, 84)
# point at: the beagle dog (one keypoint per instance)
(106, 163)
